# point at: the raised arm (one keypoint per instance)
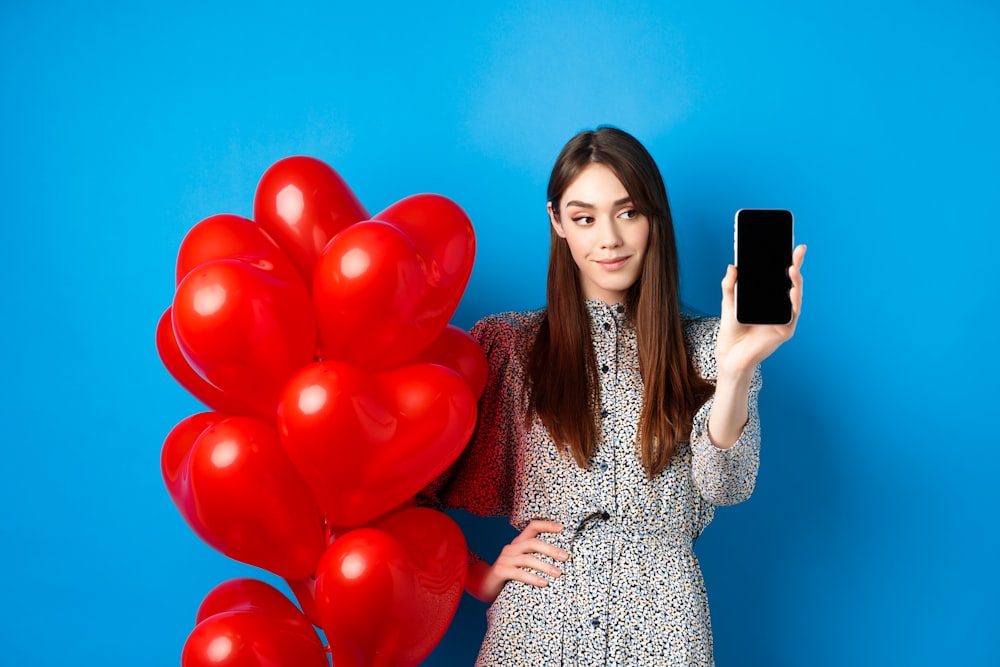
(741, 348)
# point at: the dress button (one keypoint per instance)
(604, 368)
(620, 308)
(605, 516)
(602, 466)
(596, 622)
(607, 326)
(604, 414)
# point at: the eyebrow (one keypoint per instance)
(617, 202)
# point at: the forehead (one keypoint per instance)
(596, 184)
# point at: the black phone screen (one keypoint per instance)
(763, 255)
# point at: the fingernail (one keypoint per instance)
(563, 555)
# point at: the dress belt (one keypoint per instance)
(628, 532)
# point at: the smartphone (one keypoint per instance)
(763, 248)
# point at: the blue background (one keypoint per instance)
(872, 536)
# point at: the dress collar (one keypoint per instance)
(600, 311)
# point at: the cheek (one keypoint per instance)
(577, 248)
(641, 239)
(577, 253)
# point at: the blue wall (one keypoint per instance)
(872, 537)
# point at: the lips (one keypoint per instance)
(613, 264)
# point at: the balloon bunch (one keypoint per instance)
(319, 337)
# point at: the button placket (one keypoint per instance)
(604, 331)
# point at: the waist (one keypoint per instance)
(601, 525)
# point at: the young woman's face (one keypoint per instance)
(605, 234)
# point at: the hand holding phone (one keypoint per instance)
(763, 248)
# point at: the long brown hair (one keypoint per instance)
(563, 392)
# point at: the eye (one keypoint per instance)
(629, 214)
(583, 219)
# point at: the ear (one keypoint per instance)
(556, 225)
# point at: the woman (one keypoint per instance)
(610, 429)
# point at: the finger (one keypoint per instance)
(542, 547)
(795, 274)
(518, 548)
(799, 255)
(728, 288)
(527, 577)
(795, 270)
(528, 562)
(537, 526)
(525, 568)
(795, 293)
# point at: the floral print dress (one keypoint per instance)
(631, 592)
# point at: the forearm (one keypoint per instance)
(729, 412)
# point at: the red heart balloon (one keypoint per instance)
(385, 289)
(305, 589)
(367, 288)
(302, 203)
(243, 497)
(174, 461)
(366, 443)
(179, 368)
(244, 330)
(444, 231)
(460, 352)
(251, 639)
(387, 593)
(284, 621)
(253, 595)
(226, 236)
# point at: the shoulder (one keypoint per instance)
(700, 331)
(700, 335)
(508, 331)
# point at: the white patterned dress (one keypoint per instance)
(631, 592)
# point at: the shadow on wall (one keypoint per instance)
(762, 558)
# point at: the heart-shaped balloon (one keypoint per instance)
(174, 461)
(384, 289)
(365, 443)
(244, 330)
(239, 492)
(444, 231)
(248, 623)
(386, 594)
(179, 368)
(226, 236)
(254, 595)
(302, 203)
(460, 352)
(367, 288)
(246, 639)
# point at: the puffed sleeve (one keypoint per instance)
(481, 481)
(722, 476)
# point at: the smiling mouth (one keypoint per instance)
(612, 264)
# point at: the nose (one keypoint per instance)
(609, 236)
